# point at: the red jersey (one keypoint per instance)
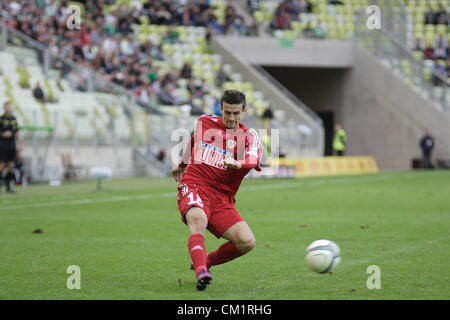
(211, 143)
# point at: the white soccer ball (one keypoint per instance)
(322, 256)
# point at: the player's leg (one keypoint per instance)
(2, 165)
(9, 177)
(197, 222)
(241, 240)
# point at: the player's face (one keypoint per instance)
(232, 114)
(8, 108)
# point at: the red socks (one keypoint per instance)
(196, 245)
(226, 252)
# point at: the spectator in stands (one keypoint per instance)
(320, 30)
(167, 96)
(308, 30)
(427, 146)
(448, 66)
(441, 41)
(146, 94)
(217, 107)
(15, 7)
(103, 43)
(439, 72)
(305, 6)
(161, 155)
(186, 71)
(240, 26)
(430, 16)
(192, 87)
(90, 51)
(127, 46)
(172, 36)
(38, 93)
(441, 16)
(252, 28)
(281, 21)
(253, 5)
(440, 52)
(419, 45)
(124, 26)
(428, 53)
(77, 48)
(267, 117)
(221, 77)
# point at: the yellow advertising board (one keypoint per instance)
(308, 167)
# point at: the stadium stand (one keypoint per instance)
(308, 18)
(160, 53)
(86, 115)
(145, 51)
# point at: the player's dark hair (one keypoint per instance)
(233, 97)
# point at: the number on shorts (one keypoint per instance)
(197, 201)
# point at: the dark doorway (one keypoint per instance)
(328, 124)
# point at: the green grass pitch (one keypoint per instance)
(130, 243)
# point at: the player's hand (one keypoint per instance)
(7, 134)
(230, 163)
(176, 173)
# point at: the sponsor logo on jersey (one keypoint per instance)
(211, 155)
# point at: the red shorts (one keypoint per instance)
(219, 207)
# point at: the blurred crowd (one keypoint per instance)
(438, 50)
(440, 16)
(106, 43)
(288, 11)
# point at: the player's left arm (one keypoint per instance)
(253, 154)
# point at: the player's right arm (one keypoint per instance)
(188, 150)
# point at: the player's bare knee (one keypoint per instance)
(247, 244)
(196, 220)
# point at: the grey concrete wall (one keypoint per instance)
(266, 51)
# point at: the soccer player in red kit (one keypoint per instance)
(220, 153)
